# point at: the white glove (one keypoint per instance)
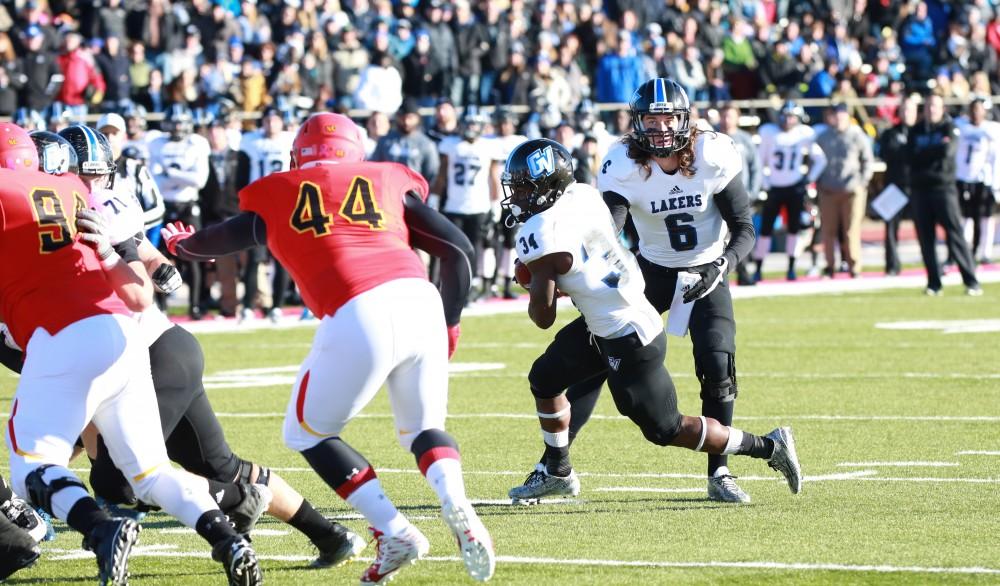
(94, 232)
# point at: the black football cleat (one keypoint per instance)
(111, 542)
(338, 548)
(18, 549)
(239, 561)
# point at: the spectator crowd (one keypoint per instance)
(231, 62)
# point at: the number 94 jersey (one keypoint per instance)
(678, 221)
(338, 228)
(604, 282)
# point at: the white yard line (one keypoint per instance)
(897, 464)
(977, 453)
(956, 418)
(648, 489)
(168, 552)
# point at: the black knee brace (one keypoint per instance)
(245, 473)
(40, 493)
(717, 375)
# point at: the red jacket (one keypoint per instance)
(80, 74)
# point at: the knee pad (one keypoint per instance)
(544, 380)
(433, 445)
(245, 473)
(717, 375)
(40, 492)
(662, 430)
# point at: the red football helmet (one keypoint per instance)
(328, 137)
(17, 151)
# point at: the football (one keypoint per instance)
(522, 274)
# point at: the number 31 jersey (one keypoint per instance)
(604, 281)
(678, 221)
(338, 228)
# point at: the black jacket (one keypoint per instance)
(220, 199)
(931, 148)
(894, 150)
(38, 87)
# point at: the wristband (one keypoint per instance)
(110, 261)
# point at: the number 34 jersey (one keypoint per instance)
(338, 228)
(678, 221)
(604, 281)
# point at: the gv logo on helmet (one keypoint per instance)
(331, 128)
(12, 141)
(541, 163)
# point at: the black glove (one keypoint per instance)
(711, 275)
(167, 278)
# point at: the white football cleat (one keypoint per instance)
(541, 484)
(392, 553)
(784, 459)
(474, 540)
(723, 488)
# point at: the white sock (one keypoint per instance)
(558, 439)
(371, 501)
(181, 495)
(63, 500)
(986, 237)
(763, 247)
(722, 471)
(445, 477)
(792, 245)
(734, 442)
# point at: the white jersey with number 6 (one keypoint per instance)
(678, 221)
(468, 174)
(604, 282)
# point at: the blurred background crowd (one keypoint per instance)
(418, 73)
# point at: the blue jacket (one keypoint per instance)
(618, 77)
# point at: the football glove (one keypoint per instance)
(173, 233)
(167, 278)
(94, 232)
(711, 275)
(453, 333)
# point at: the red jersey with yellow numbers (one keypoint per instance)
(338, 228)
(48, 278)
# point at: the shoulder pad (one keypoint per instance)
(718, 154)
(616, 169)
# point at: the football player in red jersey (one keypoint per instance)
(344, 229)
(84, 356)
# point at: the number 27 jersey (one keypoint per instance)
(678, 221)
(338, 228)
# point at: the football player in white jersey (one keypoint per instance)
(133, 174)
(262, 152)
(178, 160)
(784, 152)
(470, 162)
(568, 241)
(506, 139)
(683, 190)
(193, 435)
(977, 169)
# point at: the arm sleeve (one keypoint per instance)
(238, 233)
(818, 162)
(619, 208)
(734, 205)
(150, 196)
(434, 234)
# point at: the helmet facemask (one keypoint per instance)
(660, 142)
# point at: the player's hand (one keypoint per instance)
(711, 275)
(167, 278)
(453, 333)
(173, 233)
(90, 224)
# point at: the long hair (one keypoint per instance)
(685, 156)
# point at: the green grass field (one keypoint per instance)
(882, 418)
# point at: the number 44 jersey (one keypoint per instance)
(604, 281)
(678, 221)
(338, 228)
